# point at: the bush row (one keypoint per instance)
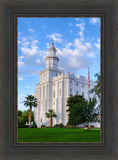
(26, 126)
(62, 126)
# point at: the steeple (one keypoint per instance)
(52, 50)
(52, 59)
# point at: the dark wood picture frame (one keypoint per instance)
(107, 10)
(101, 16)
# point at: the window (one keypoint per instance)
(83, 85)
(44, 92)
(83, 94)
(54, 94)
(77, 84)
(71, 91)
(76, 92)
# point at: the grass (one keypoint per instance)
(58, 135)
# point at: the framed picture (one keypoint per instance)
(59, 86)
(78, 37)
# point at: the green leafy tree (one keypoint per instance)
(81, 110)
(24, 117)
(97, 88)
(20, 113)
(20, 117)
(76, 109)
(91, 113)
(74, 99)
(50, 114)
(30, 102)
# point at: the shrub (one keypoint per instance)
(92, 126)
(22, 126)
(69, 126)
(56, 126)
(60, 125)
(43, 126)
(49, 127)
(34, 125)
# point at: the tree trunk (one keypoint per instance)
(88, 126)
(30, 113)
(51, 121)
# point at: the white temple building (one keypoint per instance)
(54, 89)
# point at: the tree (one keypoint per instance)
(20, 113)
(23, 118)
(30, 102)
(97, 88)
(76, 109)
(91, 114)
(50, 114)
(81, 110)
(74, 99)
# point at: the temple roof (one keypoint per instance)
(52, 47)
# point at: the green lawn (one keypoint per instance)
(58, 135)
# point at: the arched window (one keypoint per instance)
(54, 94)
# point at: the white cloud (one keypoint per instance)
(38, 61)
(20, 64)
(31, 30)
(81, 27)
(77, 19)
(73, 55)
(30, 48)
(19, 42)
(68, 45)
(29, 51)
(76, 55)
(20, 61)
(79, 48)
(30, 71)
(20, 33)
(20, 78)
(28, 87)
(21, 98)
(97, 44)
(94, 20)
(47, 45)
(56, 37)
(31, 57)
(91, 54)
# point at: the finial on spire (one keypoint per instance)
(52, 42)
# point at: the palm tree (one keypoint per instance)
(51, 114)
(30, 101)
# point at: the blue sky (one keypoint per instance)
(78, 46)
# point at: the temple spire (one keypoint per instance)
(52, 59)
(52, 42)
